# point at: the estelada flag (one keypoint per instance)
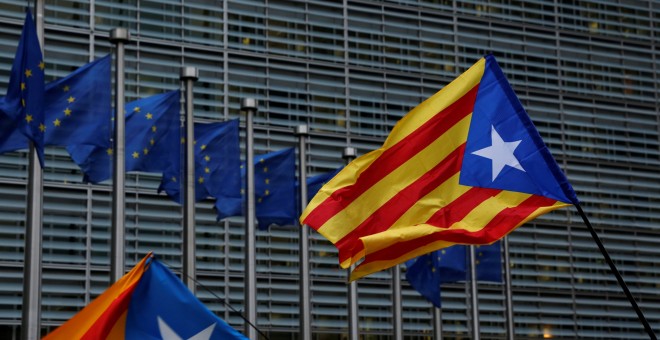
(149, 302)
(466, 166)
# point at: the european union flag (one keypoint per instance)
(428, 272)
(217, 167)
(315, 183)
(22, 107)
(78, 107)
(152, 132)
(274, 189)
(163, 308)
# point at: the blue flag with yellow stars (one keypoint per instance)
(152, 132)
(274, 189)
(217, 167)
(78, 107)
(428, 272)
(22, 107)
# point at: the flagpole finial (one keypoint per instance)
(188, 72)
(349, 153)
(301, 130)
(119, 34)
(248, 104)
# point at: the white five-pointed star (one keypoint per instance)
(500, 153)
(167, 333)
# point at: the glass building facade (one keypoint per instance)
(586, 71)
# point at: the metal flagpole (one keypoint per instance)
(188, 76)
(473, 293)
(119, 37)
(437, 323)
(249, 105)
(397, 308)
(31, 313)
(301, 131)
(349, 154)
(507, 287)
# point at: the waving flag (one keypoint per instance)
(217, 167)
(149, 302)
(152, 133)
(315, 183)
(22, 108)
(466, 166)
(428, 272)
(78, 107)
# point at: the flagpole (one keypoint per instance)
(474, 297)
(437, 323)
(249, 105)
(396, 295)
(349, 155)
(302, 131)
(31, 313)
(188, 76)
(507, 286)
(616, 273)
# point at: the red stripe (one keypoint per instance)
(383, 218)
(102, 327)
(499, 226)
(392, 158)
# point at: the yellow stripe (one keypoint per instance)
(436, 103)
(380, 193)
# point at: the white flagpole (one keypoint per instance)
(349, 154)
(301, 131)
(188, 76)
(119, 37)
(437, 323)
(31, 314)
(473, 291)
(397, 307)
(507, 285)
(249, 105)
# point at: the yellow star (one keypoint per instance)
(66, 88)
(23, 102)
(207, 158)
(149, 116)
(145, 151)
(23, 87)
(28, 118)
(194, 142)
(173, 179)
(153, 128)
(42, 127)
(28, 73)
(203, 147)
(261, 160)
(267, 180)
(71, 100)
(67, 112)
(152, 141)
(259, 200)
(136, 109)
(207, 170)
(136, 154)
(42, 65)
(109, 151)
(265, 169)
(56, 122)
(201, 180)
(267, 192)
(183, 140)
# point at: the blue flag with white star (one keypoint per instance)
(217, 167)
(22, 108)
(162, 307)
(78, 107)
(427, 273)
(152, 132)
(274, 189)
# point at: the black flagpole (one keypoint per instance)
(618, 276)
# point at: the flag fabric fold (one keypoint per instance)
(152, 132)
(274, 189)
(22, 109)
(149, 302)
(466, 166)
(78, 107)
(314, 183)
(217, 167)
(428, 272)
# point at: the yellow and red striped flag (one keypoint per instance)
(466, 166)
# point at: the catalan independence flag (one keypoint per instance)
(466, 166)
(149, 302)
